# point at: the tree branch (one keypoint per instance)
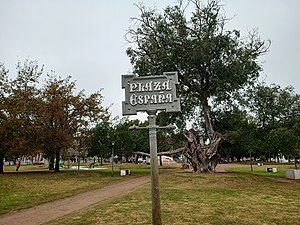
(171, 152)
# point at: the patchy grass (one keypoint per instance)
(188, 199)
(25, 168)
(25, 189)
(261, 170)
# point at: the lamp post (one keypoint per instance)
(112, 159)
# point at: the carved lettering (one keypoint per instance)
(153, 99)
(148, 86)
(166, 85)
(169, 98)
(146, 99)
(132, 87)
(160, 98)
(140, 99)
(157, 86)
(132, 100)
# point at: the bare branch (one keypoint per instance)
(142, 153)
(172, 152)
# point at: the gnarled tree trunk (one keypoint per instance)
(202, 158)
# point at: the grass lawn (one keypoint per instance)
(35, 184)
(186, 198)
(261, 170)
(217, 199)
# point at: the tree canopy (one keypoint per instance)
(213, 63)
(48, 119)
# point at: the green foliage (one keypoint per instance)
(272, 105)
(266, 127)
(101, 139)
(283, 141)
(275, 111)
(211, 61)
(128, 141)
(240, 132)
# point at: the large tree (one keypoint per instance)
(51, 119)
(19, 103)
(66, 116)
(24, 102)
(213, 63)
(5, 132)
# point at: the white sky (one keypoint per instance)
(85, 38)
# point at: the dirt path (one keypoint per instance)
(225, 167)
(221, 168)
(53, 210)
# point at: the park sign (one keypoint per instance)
(150, 93)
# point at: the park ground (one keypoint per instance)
(94, 197)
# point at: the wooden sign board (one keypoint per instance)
(150, 93)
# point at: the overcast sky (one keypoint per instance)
(85, 38)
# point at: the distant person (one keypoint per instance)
(18, 164)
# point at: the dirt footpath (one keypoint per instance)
(53, 210)
(225, 167)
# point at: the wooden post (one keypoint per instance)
(156, 209)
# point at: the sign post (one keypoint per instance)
(156, 209)
(150, 94)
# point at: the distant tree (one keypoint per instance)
(282, 141)
(293, 123)
(166, 139)
(100, 141)
(212, 63)
(296, 130)
(128, 141)
(275, 111)
(240, 139)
